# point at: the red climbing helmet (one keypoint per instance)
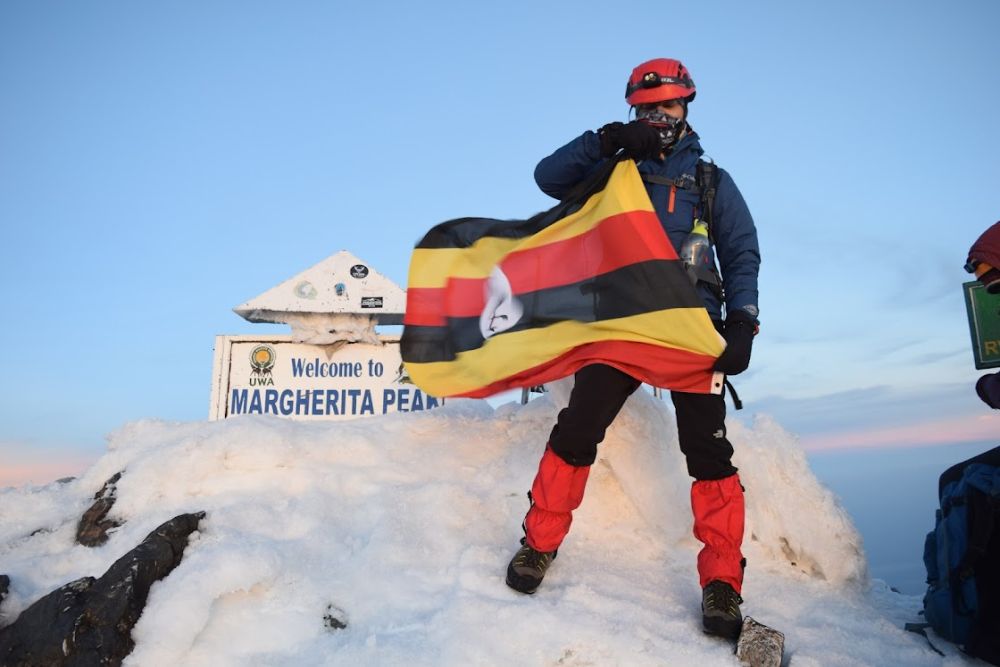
(659, 79)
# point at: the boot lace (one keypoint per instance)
(535, 560)
(721, 596)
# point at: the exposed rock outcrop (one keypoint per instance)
(4, 587)
(92, 531)
(89, 621)
(335, 618)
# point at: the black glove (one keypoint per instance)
(738, 332)
(637, 139)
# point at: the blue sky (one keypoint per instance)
(161, 163)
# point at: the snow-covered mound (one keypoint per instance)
(402, 527)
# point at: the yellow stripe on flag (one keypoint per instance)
(511, 353)
(623, 193)
(433, 267)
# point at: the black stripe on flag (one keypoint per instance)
(632, 290)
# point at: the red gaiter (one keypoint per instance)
(556, 492)
(718, 523)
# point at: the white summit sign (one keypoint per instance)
(334, 365)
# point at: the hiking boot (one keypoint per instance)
(720, 609)
(528, 567)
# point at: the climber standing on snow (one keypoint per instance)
(667, 152)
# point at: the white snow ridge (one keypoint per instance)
(401, 527)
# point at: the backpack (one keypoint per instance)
(962, 556)
(705, 184)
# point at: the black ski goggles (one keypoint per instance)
(988, 276)
(654, 80)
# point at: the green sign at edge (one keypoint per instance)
(983, 309)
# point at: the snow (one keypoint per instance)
(329, 328)
(402, 527)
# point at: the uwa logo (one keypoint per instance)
(262, 360)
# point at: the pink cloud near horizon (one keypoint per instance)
(964, 428)
(40, 468)
(40, 472)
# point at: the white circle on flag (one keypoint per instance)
(503, 310)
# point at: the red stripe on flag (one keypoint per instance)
(617, 241)
(680, 370)
(466, 297)
(425, 307)
(431, 306)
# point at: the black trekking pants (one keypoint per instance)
(598, 395)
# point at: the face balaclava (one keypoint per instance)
(671, 129)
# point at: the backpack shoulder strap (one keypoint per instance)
(684, 181)
(707, 180)
(921, 629)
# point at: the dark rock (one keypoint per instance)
(89, 621)
(4, 586)
(335, 618)
(93, 528)
(759, 645)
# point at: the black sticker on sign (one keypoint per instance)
(359, 271)
(371, 302)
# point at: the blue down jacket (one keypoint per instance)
(732, 229)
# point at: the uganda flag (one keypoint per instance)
(493, 305)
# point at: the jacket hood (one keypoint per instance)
(690, 142)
